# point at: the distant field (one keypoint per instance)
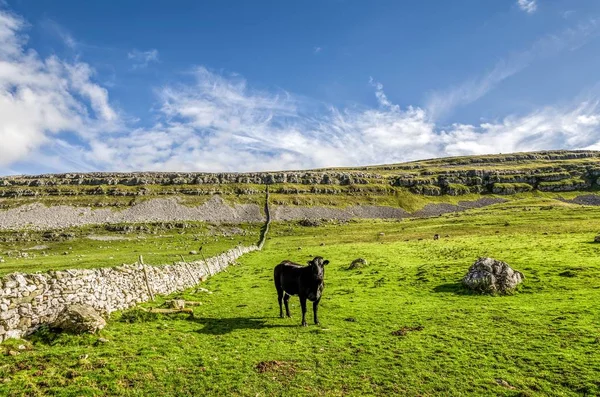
(543, 340)
(95, 246)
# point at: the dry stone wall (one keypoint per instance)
(30, 300)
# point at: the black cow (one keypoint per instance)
(304, 281)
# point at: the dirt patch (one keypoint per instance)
(405, 330)
(39, 217)
(282, 367)
(289, 213)
(504, 383)
(585, 199)
(445, 208)
(36, 248)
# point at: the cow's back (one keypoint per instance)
(287, 276)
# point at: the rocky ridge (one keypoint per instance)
(553, 171)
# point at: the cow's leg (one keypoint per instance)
(280, 294)
(315, 307)
(286, 298)
(303, 304)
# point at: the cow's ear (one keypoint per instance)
(325, 262)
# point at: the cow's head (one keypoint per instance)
(317, 265)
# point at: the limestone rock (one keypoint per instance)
(489, 275)
(358, 263)
(79, 319)
(177, 304)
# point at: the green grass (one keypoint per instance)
(83, 250)
(542, 340)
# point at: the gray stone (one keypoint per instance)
(177, 304)
(79, 319)
(358, 263)
(492, 276)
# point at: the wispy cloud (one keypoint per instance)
(55, 29)
(43, 97)
(529, 6)
(317, 50)
(142, 59)
(441, 103)
(220, 124)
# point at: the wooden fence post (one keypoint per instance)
(186, 265)
(146, 278)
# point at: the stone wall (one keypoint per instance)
(30, 300)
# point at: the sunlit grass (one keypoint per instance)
(543, 340)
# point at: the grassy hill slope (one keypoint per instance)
(409, 185)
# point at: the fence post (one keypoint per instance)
(146, 278)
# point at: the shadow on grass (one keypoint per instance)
(453, 288)
(221, 326)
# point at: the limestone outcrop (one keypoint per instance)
(492, 276)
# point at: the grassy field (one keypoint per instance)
(94, 246)
(402, 325)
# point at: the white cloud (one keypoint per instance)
(141, 59)
(317, 50)
(529, 6)
(217, 122)
(42, 97)
(441, 103)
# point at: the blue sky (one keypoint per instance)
(270, 85)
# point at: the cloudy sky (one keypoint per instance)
(271, 85)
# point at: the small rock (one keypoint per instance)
(102, 340)
(504, 383)
(309, 223)
(13, 353)
(177, 304)
(193, 252)
(22, 347)
(358, 263)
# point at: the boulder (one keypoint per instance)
(489, 275)
(358, 263)
(79, 319)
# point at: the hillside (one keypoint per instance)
(420, 188)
